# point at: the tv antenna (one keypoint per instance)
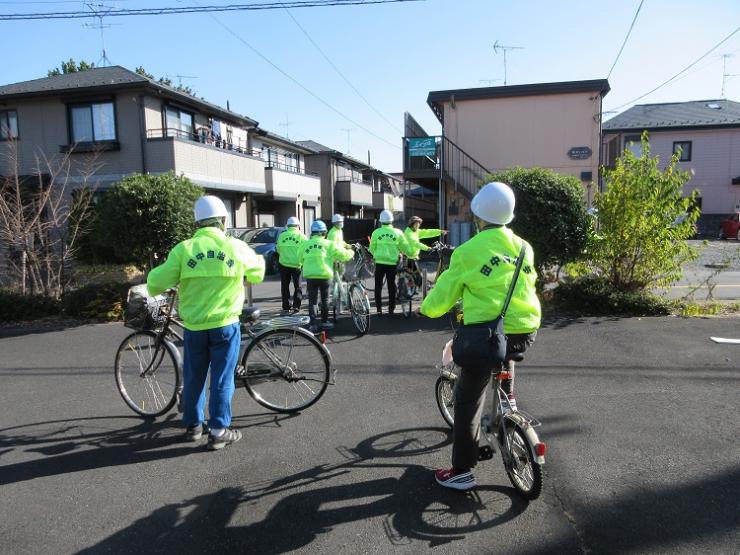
(488, 82)
(181, 77)
(100, 11)
(287, 123)
(349, 132)
(504, 49)
(726, 76)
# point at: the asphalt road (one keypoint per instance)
(716, 272)
(640, 416)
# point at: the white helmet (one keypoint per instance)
(293, 221)
(209, 207)
(494, 203)
(337, 219)
(386, 217)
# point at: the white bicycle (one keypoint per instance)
(348, 290)
(511, 431)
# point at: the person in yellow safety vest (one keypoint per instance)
(480, 272)
(386, 245)
(287, 246)
(336, 235)
(413, 233)
(209, 271)
(317, 256)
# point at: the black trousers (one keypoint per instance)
(470, 393)
(286, 276)
(316, 286)
(388, 272)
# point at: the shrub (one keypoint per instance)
(644, 221)
(550, 214)
(16, 307)
(595, 296)
(145, 215)
(104, 301)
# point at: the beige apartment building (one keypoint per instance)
(138, 125)
(707, 133)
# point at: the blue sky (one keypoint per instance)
(393, 53)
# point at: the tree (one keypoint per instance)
(550, 214)
(144, 216)
(37, 223)
(70, 66)
(644, 221)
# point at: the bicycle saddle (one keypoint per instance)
(250, 314)
(516, 357)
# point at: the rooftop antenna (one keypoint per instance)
(488, 82)
(726, 76)
(181, 77)
(100, 11)
(349, 132)
(504, 49)
(287, 125)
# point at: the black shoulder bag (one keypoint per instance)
(484, 345)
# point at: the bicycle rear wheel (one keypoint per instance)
(286, 369)
(147, 376)
(359, 306)
(444, 392)
(524, 472)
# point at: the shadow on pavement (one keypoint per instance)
(39, 326)
(81, 444)
(317, 500)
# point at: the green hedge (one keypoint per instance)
(104, 301)
(595, 296)
(16, 307)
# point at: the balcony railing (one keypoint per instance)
(202, 138)
(289, 168)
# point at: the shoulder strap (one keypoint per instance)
(519, 262)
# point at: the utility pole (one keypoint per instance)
(504, 49)
(287, 125)
(349, 132)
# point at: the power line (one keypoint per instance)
(333, 65)
(684, 70)
(301, 85)
(625, 38)
(199, 9)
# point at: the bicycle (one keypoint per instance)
(282, 366)
(522, 452)
(348, 290)
(409, 278)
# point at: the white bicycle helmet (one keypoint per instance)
(207, 207)
(337, 219)
(386, 217)
(293, 221)
(494, 203)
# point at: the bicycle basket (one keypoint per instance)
(357, 270)
(142, 311)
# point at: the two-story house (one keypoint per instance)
(136, 125)
(387, 194)
(344, 188)
(291, 189)
(707, 134)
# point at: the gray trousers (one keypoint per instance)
(470, 394)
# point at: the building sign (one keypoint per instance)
(423, 146)
(579, 153)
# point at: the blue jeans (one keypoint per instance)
(219, 349)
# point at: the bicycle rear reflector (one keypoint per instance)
(539, 449)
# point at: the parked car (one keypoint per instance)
(262, 240)
(730, 228)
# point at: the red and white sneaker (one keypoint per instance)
(450, 478)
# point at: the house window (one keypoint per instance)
(685, 147)
(291, 161)
(633, 144)
(8, 125)
(179, 122)
(92, 122)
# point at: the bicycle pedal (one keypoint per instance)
(485, 453)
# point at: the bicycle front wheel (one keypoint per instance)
(444, 391)
(147, 376)
(359, 306)
(524, 472)
(286, 370)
